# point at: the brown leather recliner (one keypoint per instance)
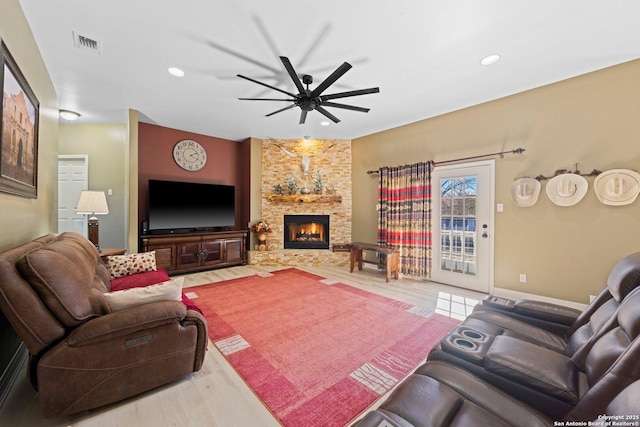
(558, 328)
(444, 395)
(547, 380)
(82, 355)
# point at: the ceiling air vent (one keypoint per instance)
(86, 43)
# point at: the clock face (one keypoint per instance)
(189, 155)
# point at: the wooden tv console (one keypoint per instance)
(197, 251)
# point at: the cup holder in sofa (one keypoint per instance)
(465, 344)
(473, 335)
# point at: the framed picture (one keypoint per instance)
(19, 124)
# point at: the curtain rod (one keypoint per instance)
(501, 154)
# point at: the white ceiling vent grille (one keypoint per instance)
(86, 43)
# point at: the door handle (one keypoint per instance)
(484, 233)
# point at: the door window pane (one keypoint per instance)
(458, 224)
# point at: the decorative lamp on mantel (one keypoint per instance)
(93, 203)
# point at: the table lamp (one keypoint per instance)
(93, 203)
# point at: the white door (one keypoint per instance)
(462, 225)
(72, 179)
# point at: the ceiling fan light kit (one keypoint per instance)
(310, 100)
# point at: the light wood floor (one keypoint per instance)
(216, 395)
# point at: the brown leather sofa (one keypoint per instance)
(558, 328)
(441, 395)
(530, 363)
(554, 383)
(82, 355)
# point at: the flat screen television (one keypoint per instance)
(180, 207)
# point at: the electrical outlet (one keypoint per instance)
(500, 207)
(523, 278)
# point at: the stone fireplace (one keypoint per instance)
(303, 161)
(306, 232)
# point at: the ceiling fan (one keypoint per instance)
(309, 100)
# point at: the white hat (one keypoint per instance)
(567, 189)
(525, 191)
(617, 187)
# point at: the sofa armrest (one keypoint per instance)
(535, 367)
(128, 321)
(196, 318)
(546, 311)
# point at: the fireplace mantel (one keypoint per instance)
(306, 198)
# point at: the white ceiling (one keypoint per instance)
(424, 55)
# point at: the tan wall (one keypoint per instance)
(22, 219)
(591, 120)
(131, 182)
(105, 145)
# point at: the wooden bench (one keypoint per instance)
(392, 264)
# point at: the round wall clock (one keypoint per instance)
(189, 155)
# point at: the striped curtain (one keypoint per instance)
(404, 215)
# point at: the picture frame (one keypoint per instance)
(19, 130)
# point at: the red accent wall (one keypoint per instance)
(155, 161)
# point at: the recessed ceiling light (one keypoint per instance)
(324, 123)
(491, 59)
(69, 115)
(176, 72)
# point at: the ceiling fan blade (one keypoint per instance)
(303, 116)
(327, 114)
(281, 110)
(345, 106)
(350, 93)
(292, 73)
(266, 99)
(266, 85)
(339, 72)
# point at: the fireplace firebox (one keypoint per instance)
(306, 231)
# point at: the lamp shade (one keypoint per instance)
(92, 203)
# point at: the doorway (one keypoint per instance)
(463, 223)
(73, 178)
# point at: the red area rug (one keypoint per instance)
(316, 352)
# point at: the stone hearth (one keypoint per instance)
(285, 159)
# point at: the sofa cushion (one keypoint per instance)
(125, 265)
(146, 279)
(166, 291)
(139, 280)
(536, 367)
(63, 274)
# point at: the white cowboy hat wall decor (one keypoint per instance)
(525, 192)
(617, 187)
(567, 189)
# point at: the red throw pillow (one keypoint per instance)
(139, 280)
(148, 278)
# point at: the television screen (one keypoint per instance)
(185, 206)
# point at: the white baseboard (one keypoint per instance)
(511, 294)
